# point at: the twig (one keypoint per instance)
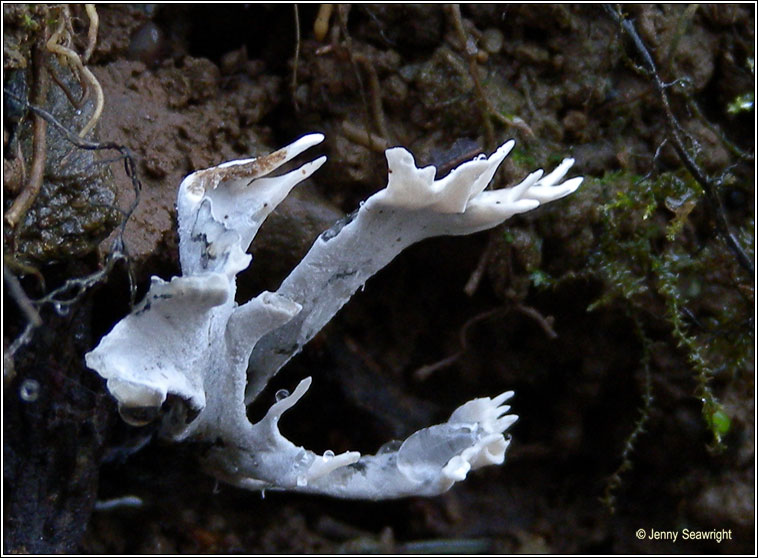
(21, 268)
(710, 188)
(18, 294)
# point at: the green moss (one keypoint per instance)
(653, 263)
(718, 420)
(661, 263)
(29, 23)
(741, 103)
(523, 158)
(541, 278)
(614, 481)
(746, 101)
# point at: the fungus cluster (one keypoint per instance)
(189, 338)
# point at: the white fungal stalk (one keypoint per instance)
(189, 338)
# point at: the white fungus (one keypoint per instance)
(189, 338)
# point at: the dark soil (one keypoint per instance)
(620, 316)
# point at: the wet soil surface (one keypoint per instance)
(619, 315)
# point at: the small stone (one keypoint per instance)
(492, 40)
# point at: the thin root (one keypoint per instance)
(77, 103)
(476, 276)
(94, 22)
(377, 110)
(425, 371)
(342, 12)
(54, 45)
(486, 108)
(297, 56)
(481, 99)
(360, 136)
(25, 199)
(546, 323)
(321, 25)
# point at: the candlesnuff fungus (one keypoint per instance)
(190, 339)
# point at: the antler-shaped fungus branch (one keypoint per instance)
(411, 208)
